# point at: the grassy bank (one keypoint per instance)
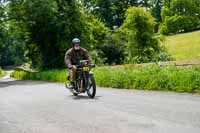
(148, 78)
(49, 75)
(184, 46)
(2, 72)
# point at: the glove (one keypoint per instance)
(74, 67)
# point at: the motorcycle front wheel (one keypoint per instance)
(91, 90)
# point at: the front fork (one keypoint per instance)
(84, 81)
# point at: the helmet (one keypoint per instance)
(76, 41)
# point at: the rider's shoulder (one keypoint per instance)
(84, 50)
(70, 50)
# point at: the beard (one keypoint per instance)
(76, 48)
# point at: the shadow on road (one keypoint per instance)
(81, 97)
(18, 82)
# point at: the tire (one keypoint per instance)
(91, 90)
(75, 94)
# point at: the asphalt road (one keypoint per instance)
(43, 107)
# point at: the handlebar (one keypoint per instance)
(88, 65)
(85, 63)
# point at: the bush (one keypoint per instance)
(48, 75)
(112, 52)
(180, 16)
(179, 23)
(151, 78)
(138, 33)
(163, 55)
(2, 72)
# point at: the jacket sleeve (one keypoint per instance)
(68, 62)
(87, 56)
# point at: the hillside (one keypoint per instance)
(184, 46)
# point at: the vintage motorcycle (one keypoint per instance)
(85, 81)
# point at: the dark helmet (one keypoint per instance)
(76, 41)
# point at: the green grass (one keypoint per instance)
(184, 46)
(2, 72)
(49, 75)
(147, 78)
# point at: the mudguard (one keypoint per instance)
(91, 73)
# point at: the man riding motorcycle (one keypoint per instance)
(72, 58)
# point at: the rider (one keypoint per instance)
(72, 58)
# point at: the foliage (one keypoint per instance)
(113, 50)
(50, 25)
(137, 29)
(152, 78)
(11, 41)
(156, 6)
(2, 72)
(147, 78)
(112, 53)
(163, 55)
(40, 32)
(95, 36)
(1, 30)
(180, 16)
(39, 21)
(48, 75)
(111, 12)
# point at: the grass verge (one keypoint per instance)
(48, 75)
(2, 73)
(184, 46)
(178, 79)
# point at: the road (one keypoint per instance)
(43, 107)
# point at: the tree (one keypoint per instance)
(50, 25)
(180, 16)
(156, 6)
(11, 41)
(95, 35)
(112, 51)
(111, 12)
(138, 32)
(1, 30)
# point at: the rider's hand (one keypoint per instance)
(74, 67)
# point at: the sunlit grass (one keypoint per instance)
(2, 72)
(49, 75)
(184, 46)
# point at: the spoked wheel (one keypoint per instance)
(91, 90)
(75, 93)
(71, 90)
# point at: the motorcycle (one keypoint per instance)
(85, 81)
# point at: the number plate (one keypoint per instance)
(86, 68)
